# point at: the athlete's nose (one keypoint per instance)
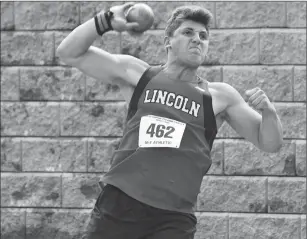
(196, 38)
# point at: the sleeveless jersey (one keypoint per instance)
(165, 149)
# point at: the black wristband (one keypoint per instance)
(99, 31)
(103, 22)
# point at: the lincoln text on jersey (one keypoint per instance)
(172, 100)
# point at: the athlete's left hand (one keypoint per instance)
(257, 99)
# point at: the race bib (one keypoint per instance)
(158, 131)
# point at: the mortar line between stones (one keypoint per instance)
(108, 137)
(240, 30)
(226, 65)
(286, 215)
(242, 176)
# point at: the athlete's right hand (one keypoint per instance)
(118, 21)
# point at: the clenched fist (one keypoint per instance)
(257, 99)
(119, 21)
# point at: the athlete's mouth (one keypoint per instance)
(193, 48)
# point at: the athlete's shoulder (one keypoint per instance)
(132, 67)
(223, 88)
(220, 86)
(225, 91)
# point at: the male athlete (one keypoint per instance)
(172, 120)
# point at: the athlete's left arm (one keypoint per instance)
(263, 130)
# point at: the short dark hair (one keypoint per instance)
(194, 13)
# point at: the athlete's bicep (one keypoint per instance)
(107, 67)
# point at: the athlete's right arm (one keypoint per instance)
(76, 50)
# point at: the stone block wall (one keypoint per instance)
(59, 127)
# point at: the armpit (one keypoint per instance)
(220, 119)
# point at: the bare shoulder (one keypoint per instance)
(223, 97)
(221, 87)
(133, 68)
(128, 60)
(225, 92)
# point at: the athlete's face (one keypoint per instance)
(189, 43)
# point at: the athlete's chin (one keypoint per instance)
(195, 62)
(195, 58)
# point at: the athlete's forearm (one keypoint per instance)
(78, 41)
(270, 131)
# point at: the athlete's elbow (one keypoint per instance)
(64, 52)
(60, 51)
(64, 55)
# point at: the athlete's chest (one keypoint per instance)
(172, 96)
(161, 95)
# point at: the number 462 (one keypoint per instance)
(160, 131)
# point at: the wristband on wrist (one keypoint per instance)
(103, 22)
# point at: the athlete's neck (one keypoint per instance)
(180, 72)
